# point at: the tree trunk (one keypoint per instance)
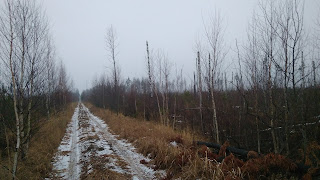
(272, 124)
(159, 108)
(256, 117)
(135, 106)
(214, 117)
(200, 93)
(8, 150)
(174, 109)
(167, 100)
(213, 103)
(15, 98)
(48, 105)
(27, 137)
(144, 111)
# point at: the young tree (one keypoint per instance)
(290, 34)
(50, 74)
(62, 87)
(112, 44)
(267, 27)
(252, 56)
(200, 90)
(215, 38)
(152, 82)
(23, 31)
(164, 68)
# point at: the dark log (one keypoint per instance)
(240, 152)
(301, 168)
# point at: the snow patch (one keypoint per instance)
(66, 160)
(174, 144)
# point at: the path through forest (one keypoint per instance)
(88, 149)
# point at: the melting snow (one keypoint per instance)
(88, 137)
(174, 144)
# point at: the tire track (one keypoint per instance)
(66, 161)
(89, 149)
(125, 151)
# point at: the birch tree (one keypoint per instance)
(164, 68)
(151, 78)
(23, 30)
(215, 38)
(112, 44)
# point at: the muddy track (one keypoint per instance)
(138, 170)
(89, 150)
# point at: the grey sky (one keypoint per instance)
(79, 28)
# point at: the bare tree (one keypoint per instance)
(159, 85)
(22, 34)
(252, 61)
(290, 33)
(112, 44)
(50, 74)
(215, 38)
(200, 89)
(152, 82)
(241, 89)
(7, 40)
(178, 86)
(103, 83)
(267, 27)
(198, 80)
(164, 68)
(63, 84)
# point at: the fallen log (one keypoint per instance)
(240, 152)
(301, 168)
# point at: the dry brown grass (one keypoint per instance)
(44, 144)
(153, 140)
(105, 175)
(188, 161)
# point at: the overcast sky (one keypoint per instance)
(79, 29)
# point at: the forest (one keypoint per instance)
(269, 103)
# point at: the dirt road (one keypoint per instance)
(89, 150)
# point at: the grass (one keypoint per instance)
(43, 145)
(189, 161)
(153, 140)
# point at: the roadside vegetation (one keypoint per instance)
(43, 145)
(177, 153)
(34, 88)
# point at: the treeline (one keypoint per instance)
(269, 103)
(33, 86)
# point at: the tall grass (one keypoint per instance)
(155, 141)
(43, 145)
(189, 161)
